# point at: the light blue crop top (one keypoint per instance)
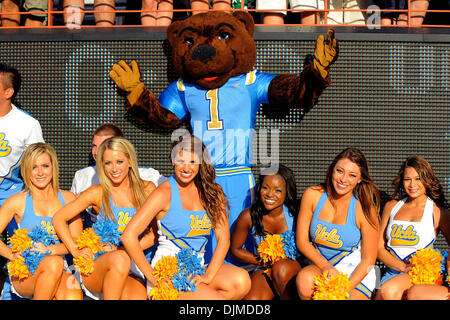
(332, 240)
(30, 219)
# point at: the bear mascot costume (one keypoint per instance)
(220, 92)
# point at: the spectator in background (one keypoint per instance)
(401, 19)
(86, 177)
(199, 6)
(104, 14)
(160, 13)
(348, 17)
(277, 17)
(34, 7)
(239, 4)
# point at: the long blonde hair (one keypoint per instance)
(29, 159)
(136, 185)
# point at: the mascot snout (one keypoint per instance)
(204, 53)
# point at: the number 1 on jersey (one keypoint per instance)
(214, 123)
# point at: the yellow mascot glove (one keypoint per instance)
(325, 53)
(128, 79)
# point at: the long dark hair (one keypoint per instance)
(427, 177)
(366, 191)
(211, 194)
(257, 209)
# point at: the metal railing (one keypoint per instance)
(373, 11)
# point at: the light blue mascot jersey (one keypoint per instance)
(223, 118)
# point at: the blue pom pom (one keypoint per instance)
(444, 261)
(290, 247)
(40, 234)
(107, 230)
(444, 268)
(33, 258)
(189, 265)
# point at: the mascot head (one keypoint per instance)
(210, 48)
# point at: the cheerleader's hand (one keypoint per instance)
(198, 279)
(107, 247)
(407, 268)
(41, 248)
(261, 262)
(17, 255)
(330, 270)
(85, 252)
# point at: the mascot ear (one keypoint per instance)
(246, 19)
(172, 31)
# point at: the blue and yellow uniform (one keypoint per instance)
(181, 228)
(122, 216)
(29, 221)
(221, 119)
(404, 238)
(257, 239)
(341, 244)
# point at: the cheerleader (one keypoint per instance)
(338, 225)
(409, 223)
(273, 211)
(35, 206)
(120, 193)
(187, 208)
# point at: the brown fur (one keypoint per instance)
(148, 109)
(288, 91)
(236, 55)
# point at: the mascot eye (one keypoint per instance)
(189, 40)
(224, 35)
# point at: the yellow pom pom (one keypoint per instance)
(20, 241)
(164, 290)
(89, 239)
(165, 267)
(164, 271)
(86, 266)
(426, 267)
(271, 249)
(334, 288)
(18, 269)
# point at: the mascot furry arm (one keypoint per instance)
(211, 48)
